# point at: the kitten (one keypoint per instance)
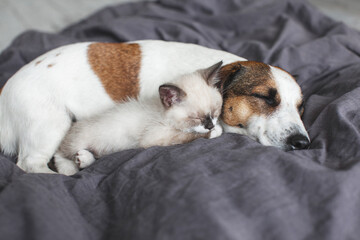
(186, 109)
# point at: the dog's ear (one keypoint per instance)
(170, 95)
(210, 74)
(228, 74)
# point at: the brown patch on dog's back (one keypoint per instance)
(118, 66)
(244, 83)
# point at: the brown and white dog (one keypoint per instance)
(39, 103)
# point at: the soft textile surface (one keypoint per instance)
(225, 188)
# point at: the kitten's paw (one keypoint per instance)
(84, 158)
(65, 166)
(216, 132)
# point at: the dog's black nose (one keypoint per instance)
(208, 124)
(298, 141)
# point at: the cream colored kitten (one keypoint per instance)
(188, 109)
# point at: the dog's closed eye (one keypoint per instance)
(270, 100)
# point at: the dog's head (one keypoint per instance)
(263, 102)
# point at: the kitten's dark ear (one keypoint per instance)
(170, 95)
(210, 73)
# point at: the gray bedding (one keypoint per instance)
(225, 188)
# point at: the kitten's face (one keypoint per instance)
(196, 102)
(199, 111)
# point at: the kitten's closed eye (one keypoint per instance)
(195, 119)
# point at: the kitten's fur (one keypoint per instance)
(188, 109)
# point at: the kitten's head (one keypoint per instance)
(193, 102)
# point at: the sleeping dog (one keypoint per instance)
(40, 102)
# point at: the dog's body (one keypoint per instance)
(39, 103)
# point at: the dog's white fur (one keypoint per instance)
(38, 103)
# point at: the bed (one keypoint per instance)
(229, 187)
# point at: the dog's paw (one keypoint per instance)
(84, 158)
(216, 132)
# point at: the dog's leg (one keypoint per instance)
(41, 137)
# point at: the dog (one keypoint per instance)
(39, 103)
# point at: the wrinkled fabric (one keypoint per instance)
(225, 188)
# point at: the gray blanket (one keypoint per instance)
(225, 188)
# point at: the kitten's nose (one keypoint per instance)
(208, 124)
